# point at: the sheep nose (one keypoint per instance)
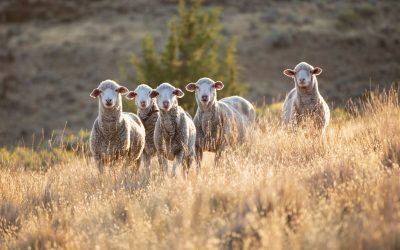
(166, 104)
(204, 98)
(143, 103)
(302, 80)
(108, 102)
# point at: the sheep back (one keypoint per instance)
(228, 124)
(244, 107)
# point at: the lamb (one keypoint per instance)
(115, 134)
(219, 123)
(148, 113)
(305, 101)
(175, 133)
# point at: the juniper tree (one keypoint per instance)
(193, 50)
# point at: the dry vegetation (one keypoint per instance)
(286, 192)
(58, 51)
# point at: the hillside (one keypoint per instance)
(54, 53)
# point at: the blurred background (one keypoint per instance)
(53, 53)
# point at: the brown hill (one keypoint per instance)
(53, 53)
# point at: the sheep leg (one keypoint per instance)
(220, 147)
(130, 161)
(100, 164)
(177, 162)
(162, 161)
(199, 143)
(189, 162)
(191, 158)
(185, 167)
(146, 163)
(199, 157)
(136, 165)
(218, 157)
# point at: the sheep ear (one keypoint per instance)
(191, 87)
(316, 71)
(122, 90)
(218, 85)
(153, 94)
(95, 93)
(289, 72)
(131, 95)
(178, 92)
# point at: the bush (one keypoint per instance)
(78, 143)
(37, 160)
(272, 111)
(193, 50)
(348, 17)
(280, 39)
(340, 115)
(364, 12)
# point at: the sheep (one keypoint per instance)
(115, 134)
(305, 101)
(148, 112)
(175, 132)
(219, 123)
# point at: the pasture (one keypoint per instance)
(283, 191)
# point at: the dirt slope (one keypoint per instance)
(53, 53)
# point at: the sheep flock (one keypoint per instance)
(162, 128)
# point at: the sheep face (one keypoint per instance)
(303, 75)
(142, 96)
(166, 95)
(109, 94)
(205, 90)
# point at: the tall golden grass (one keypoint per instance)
(284, 191)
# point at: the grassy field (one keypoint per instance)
(285, 191)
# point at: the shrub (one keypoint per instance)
(348, 17)
(280, 39)
(364, 12)
(272, 111)
(28, 159)
(340, 115)
(193, 50)
(78, 143)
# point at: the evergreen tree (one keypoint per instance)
(193, 50)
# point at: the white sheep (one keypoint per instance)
(148, 113)
(175, 133)
(305, 101)
(219, 123)
(115, 134)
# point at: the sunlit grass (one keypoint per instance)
(284, 191)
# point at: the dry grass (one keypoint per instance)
(287, 192)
